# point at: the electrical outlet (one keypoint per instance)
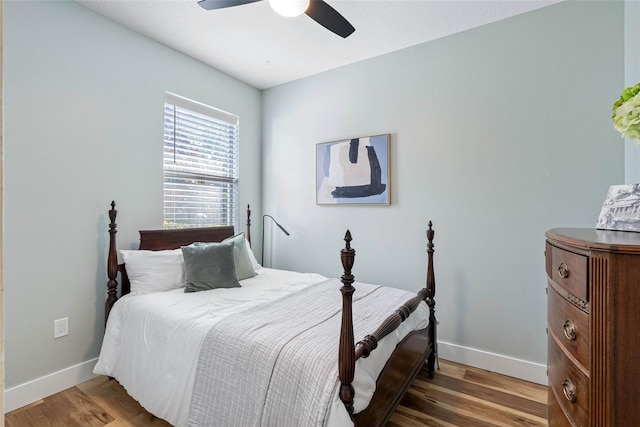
(61, 327)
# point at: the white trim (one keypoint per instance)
(517, 368)
(32, 391)
(199, 107)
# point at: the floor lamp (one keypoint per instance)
(279, 226)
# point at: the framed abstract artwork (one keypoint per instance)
(353, 171)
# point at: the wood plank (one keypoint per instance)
(527, 390)
(474, 407)
(407, 417)
(112, 397)
(489, 379)
(68, 408)
(460, 395)
(433, 409)
(492, 395)
(75, 408)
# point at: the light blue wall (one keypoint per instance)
(631, 78)
(497, 134)
(83, 103)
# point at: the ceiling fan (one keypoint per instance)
(318, 10)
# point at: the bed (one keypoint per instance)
(278, 349)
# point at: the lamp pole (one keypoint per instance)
(279, 226)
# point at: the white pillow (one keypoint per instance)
(252, 257)
(154, 271)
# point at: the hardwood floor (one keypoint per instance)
(458, 396)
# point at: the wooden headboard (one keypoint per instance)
(157, 240)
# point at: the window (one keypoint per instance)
(200, 165)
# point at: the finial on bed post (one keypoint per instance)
(112, 263)
(431, 302)
(346, 351)
(248, 234)
(347, 256)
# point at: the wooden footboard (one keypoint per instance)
(407, 359)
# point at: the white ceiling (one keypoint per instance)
(263, 49)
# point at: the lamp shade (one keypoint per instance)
(289, 8)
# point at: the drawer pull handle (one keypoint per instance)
(563, 270)
(569, 390)
(569, 330)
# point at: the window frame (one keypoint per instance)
(207, 144)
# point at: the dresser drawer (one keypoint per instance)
(556, 417)
(570, 326)
(568, 269)
(568, 384)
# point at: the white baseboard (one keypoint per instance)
(32, 391)
(522, 369)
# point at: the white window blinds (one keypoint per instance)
(200, 165)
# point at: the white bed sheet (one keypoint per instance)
(173, 324)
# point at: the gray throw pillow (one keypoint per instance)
(244, 266)
(209, 266)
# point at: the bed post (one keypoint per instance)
(431, 302)
(248, 233)
(346, 352)
(112, 263)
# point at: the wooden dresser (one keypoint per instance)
(594, 327)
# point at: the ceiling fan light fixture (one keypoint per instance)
(289, 8)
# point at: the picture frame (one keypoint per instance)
(353, 171)
(621, 209)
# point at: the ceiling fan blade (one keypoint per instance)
(329, 18)
(221, 4)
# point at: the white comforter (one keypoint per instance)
(152, 342)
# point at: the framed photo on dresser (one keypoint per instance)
(621, 209)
